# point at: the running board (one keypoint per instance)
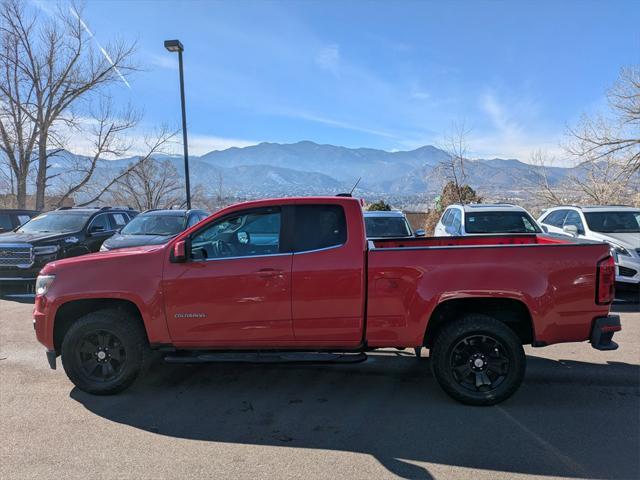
(266, 357)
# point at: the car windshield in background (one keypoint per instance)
(5, 222)
(379, 227)
(613, 222)
(500, 222)
(155, 225)
(55, 222)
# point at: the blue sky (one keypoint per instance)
(390, 75)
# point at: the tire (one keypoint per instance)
(478, 360)
(104, 352)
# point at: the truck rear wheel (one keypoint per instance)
(478, 360)
(103, 352)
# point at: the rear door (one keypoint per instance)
(328, 275)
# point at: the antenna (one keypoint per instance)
(354, 187)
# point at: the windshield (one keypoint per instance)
(614, 222)
(379, 227)
(500, 222)
(155, 225)
(55, 222)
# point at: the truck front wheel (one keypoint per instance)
(103, 352)
(478, 360)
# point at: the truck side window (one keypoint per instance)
(101, 222)
(118, 220)
(318, 226)
(456, 219)
(555, 218)
(446, 218)
(573, 218)
(252, 233)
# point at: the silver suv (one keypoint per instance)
(619, 226)
(485, 219)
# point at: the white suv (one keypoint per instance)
(485, 219)
(619, 226)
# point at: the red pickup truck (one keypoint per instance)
(295, 279)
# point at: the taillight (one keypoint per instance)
(605, 284)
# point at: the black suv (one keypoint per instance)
(66, 232)
(10, 218)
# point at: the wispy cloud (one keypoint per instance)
(81, 140)
(168, 62)
(201, 144)
(328, 58)
(336, 123)
(509, 133)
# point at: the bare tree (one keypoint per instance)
(541, 186)
(47, 67)
(150, 184)
(616, 138)
(452, 170)
(155, 144)
(108, 132)
(603, 181)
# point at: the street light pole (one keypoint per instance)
(176, 46)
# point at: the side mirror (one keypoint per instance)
(96, 229)
(179, 252)
(420, 233)
(544, 228)
(570, 230)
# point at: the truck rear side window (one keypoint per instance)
(318, 226)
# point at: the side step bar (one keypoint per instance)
(266, 357)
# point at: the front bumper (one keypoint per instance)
(18, 281)
(603, 330)
(628, 269)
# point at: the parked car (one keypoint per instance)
(153, 227)
(10, 218)
(619, 226)
(62, 233)
(484, 219)
(385, 224)
(295, 279)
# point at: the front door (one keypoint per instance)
(235, 289)
(98, 231)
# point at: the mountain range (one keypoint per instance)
(309, 168)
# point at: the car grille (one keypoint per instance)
(626, 272)
(16, 255)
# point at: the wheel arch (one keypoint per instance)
(511, 311)
(69, 312)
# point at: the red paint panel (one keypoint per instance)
(328, 288)
(212, 303)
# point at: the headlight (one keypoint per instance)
(619, 250)
(43, 282)
(45, 250)
(103, 248)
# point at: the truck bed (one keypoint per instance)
(554, 277)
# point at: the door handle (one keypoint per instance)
(269, 272)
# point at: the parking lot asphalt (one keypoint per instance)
(577, 415)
